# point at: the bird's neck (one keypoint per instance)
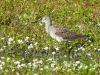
(47, 26)
(48, 23)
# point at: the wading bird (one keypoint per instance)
(60, 34)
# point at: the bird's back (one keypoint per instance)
(65, 33)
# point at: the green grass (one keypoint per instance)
(26, 49)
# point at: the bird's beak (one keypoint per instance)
(39, 21)
(34, 22)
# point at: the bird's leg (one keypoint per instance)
(68, 51)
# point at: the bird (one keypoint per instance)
(58, 33)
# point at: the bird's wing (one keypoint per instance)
(66, 34)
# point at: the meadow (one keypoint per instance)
(26, 49)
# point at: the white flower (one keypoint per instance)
(56, 68)
(98, 24)
(35, 43)
(65, 56)
(89, 54)
(13, 70)
(29, 64)
(34, 65)
(24, 15)
(2, 57)
(90, 23)
(96, 65)
(1, 67)
(95, 48)
(54, 61)
(46, 67)
(69, 70)
(10, 40)
(20, 42)
(53, 53)
(75, 50)
(99, 49)
(81, 48)
(56, 48)
(17, 62)
(23, 65)
(92, 69)
(52, 65)
(65, 63)
(17, 73)
(4, 46)
(41, 68)
(50, 59)
(3, 38)
(26, 39)
(35, 60)
(85, 67)
(30, 46)
(8, 59)
(25, 23)
(89, 40)
(35, 1)
(81, 66)
(80, 27)
(40, 62)
(46, 48)
(76, 63)
(19, 66)
(35, 74)
(33, 39)
(1, 49)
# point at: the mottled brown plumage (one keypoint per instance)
(60, 34)
(66, 34)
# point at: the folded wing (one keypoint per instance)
(66, 34)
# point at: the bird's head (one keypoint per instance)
(46, 20)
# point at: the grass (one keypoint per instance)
(25, 48)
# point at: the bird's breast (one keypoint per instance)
(58, 38)
(47, 29)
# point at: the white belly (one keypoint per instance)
(59, 39)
